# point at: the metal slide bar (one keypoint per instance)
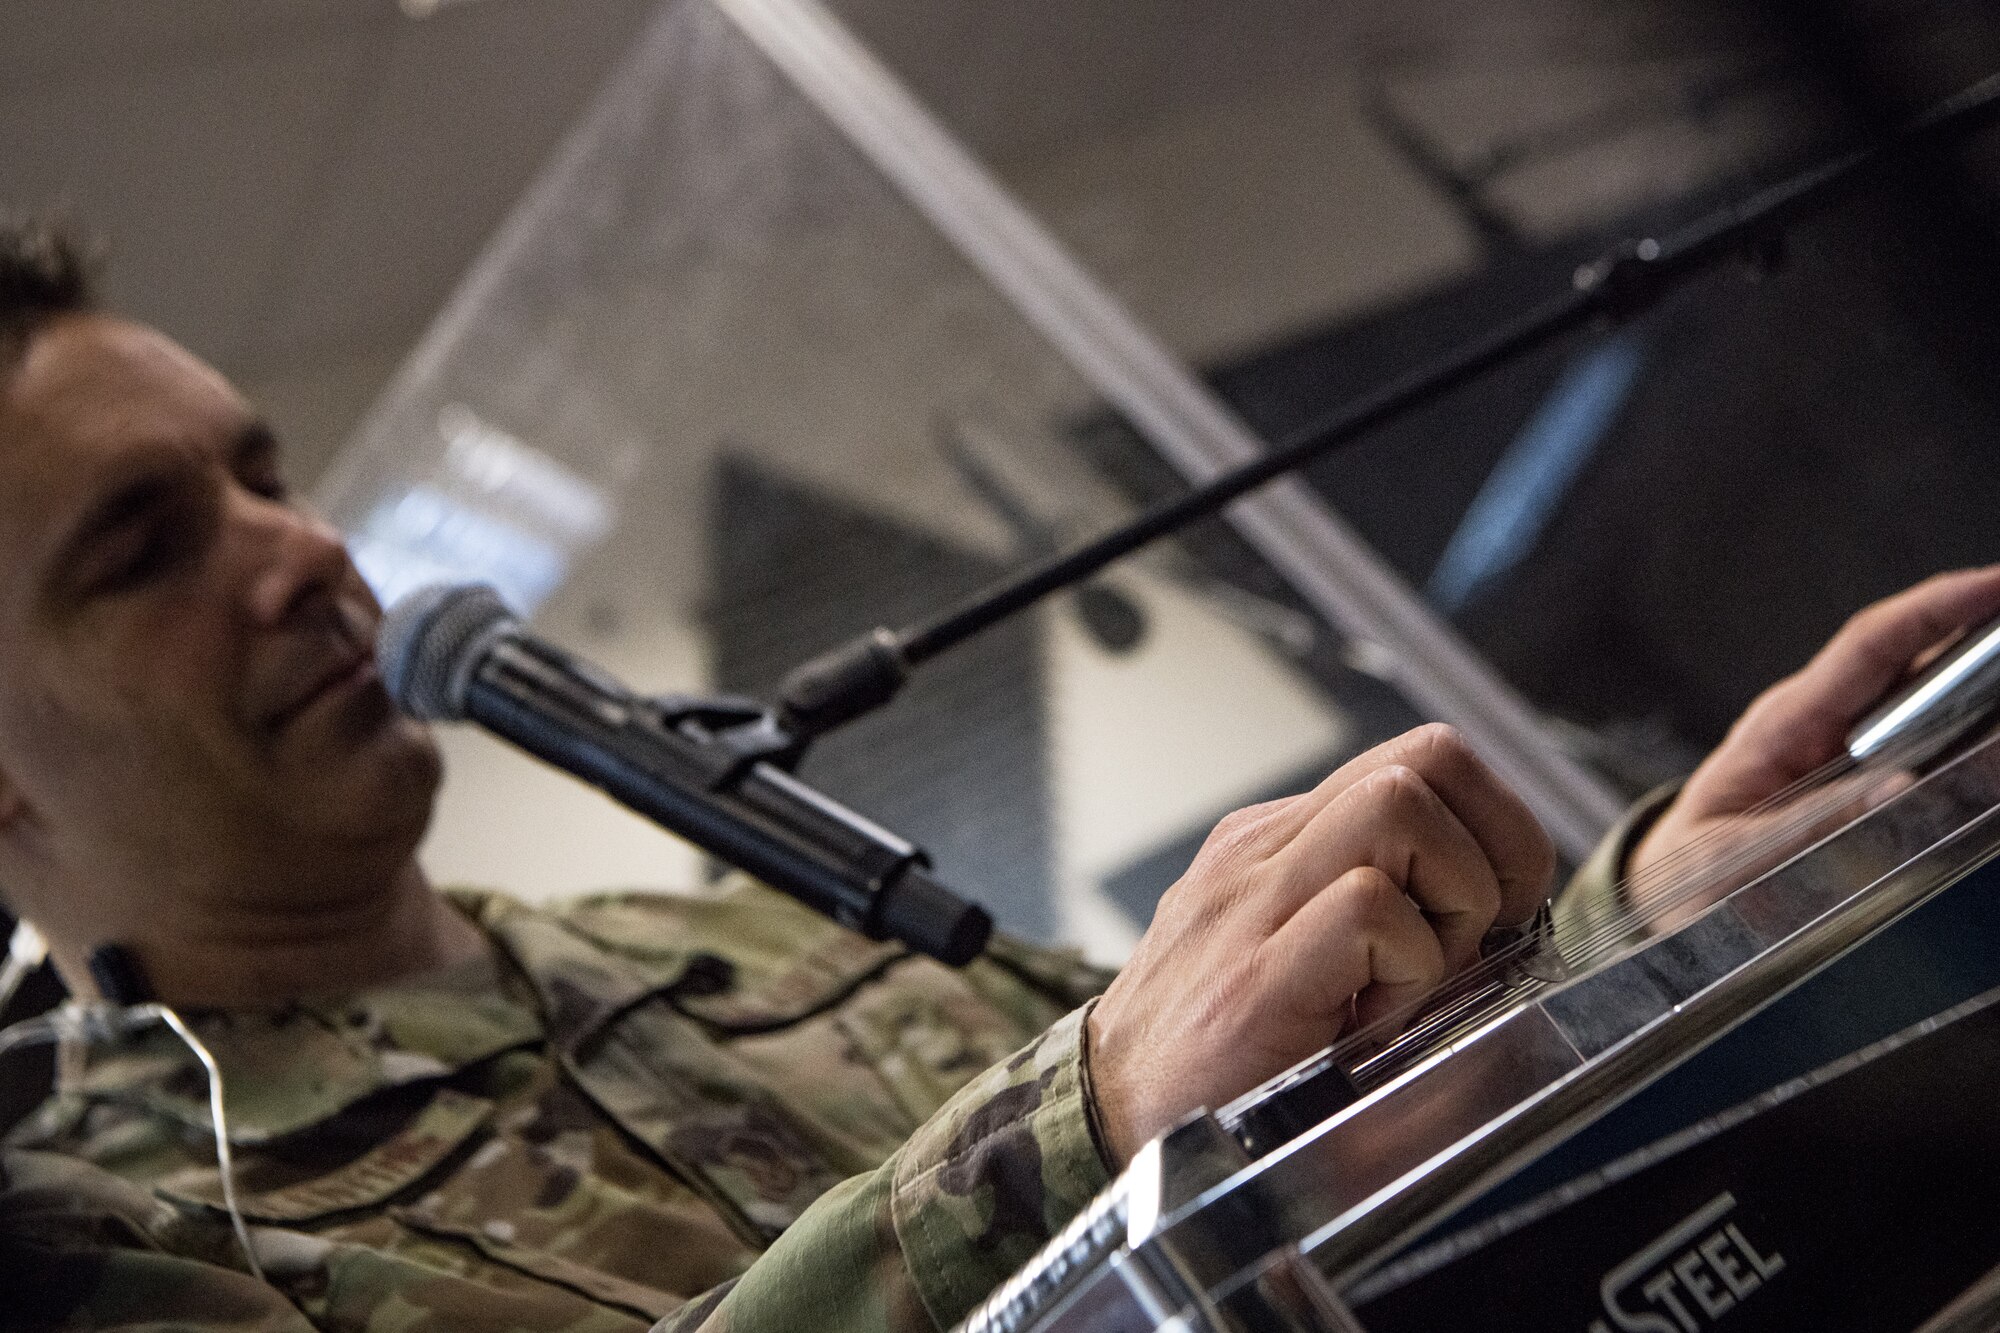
(1324, 559)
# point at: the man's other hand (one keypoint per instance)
(1803, 721)
(1304, 916)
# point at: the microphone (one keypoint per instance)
(456, 653)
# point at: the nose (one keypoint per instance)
(299, 559)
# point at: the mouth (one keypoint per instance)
(353, 671)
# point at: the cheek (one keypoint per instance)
(137, 691)
(74, 761)
(173, 663)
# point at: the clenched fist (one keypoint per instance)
(1304, 916)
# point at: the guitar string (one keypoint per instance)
(1631, 909)
(1646, 898)
(1475, 1000)
(1463, 1015)
(1497, 983)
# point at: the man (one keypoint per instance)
(455, 1112)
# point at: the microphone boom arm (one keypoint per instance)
(859, 676)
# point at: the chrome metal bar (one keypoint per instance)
(1953, 694)
(1976, 1311)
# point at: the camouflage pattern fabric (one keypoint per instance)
(643, 1111)
(1593, 894)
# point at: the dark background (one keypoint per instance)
(1798, 442)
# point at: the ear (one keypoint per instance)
(13, 806)
(17, 860)
(18, 825)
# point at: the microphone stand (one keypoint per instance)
(729, 736)
(865, 673)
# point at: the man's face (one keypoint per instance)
(186, 659)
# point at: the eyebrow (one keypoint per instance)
(256, 442)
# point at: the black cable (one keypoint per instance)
(867, 672)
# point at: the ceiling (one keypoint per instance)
(296, 180)
(293, 189)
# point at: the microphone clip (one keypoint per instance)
(731, 733)
(713, 769)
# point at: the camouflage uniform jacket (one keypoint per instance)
(1594, 897)
(643, 1112)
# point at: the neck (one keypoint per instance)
(235, 954)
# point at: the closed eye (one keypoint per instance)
(140, 531)
(160, 517)
(145, 548)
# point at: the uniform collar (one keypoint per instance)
(288, 1068)
(743, 960)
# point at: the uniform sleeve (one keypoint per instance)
(913, 1246)
(1592, 895)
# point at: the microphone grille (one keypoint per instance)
(432, 641)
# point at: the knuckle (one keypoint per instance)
(1376, 900)
(1397, 786)
(1441, 742)
(1400, 801)
(1233, 825)
(1237, 832)
(1251, 818)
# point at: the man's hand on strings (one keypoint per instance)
(1797, 727)
(1304, 916)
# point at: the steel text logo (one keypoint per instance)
(1687, 1279)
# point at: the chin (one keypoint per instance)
(382, 790)
(412, 767)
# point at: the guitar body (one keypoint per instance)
(1943, 954)
(1542, 1157)
(1865, 1196)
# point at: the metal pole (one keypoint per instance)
(1324, 559)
